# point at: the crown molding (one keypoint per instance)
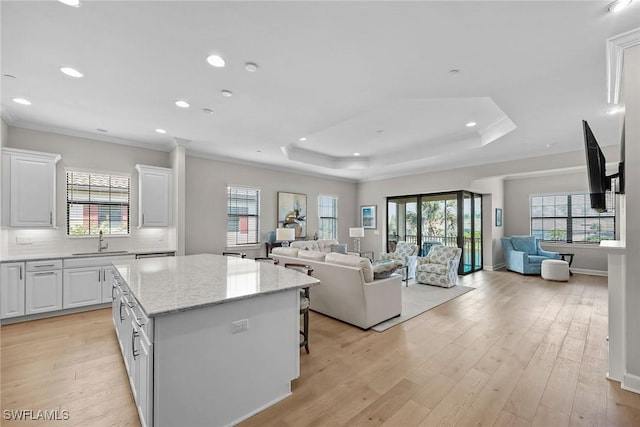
(615, 56)
(96, 137)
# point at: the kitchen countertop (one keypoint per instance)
(63, 255)
(172, 284)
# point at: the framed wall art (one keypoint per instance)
(292, 212)
(368, 216)
(498, 217)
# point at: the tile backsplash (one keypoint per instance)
(16, 242)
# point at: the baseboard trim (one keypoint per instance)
(500, 266)
(630, 382)
(589, 272)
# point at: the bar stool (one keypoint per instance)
(304, 303)
(236, 254)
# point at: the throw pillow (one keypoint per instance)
(341, 249)
(385, 269)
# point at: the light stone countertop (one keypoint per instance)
(172, 284)
(67, 254)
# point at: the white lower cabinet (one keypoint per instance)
(43, 291)
(82, 286)
(12, 289)
(135, 331)
(88, 281)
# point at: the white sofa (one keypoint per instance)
(321, 245)
(347, 291)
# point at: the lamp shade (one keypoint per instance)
(356, 232)
(285, 234)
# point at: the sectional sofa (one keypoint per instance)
(348, 291)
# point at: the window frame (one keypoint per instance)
(570, 231)
(334, 219)
(100, 205)
(230, 215)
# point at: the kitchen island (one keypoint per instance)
(207, 339)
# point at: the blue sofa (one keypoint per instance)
(523, 254)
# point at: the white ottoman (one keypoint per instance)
(555, 269)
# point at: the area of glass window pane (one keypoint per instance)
(97, 202)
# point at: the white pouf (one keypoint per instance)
(555, 269)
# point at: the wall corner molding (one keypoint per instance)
(615, 55)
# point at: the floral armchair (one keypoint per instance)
(439, 267)
(407, 254)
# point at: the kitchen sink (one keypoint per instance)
(100, 253)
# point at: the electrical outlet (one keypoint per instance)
(23, 240)
(239, 326)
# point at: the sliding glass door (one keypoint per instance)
(438, 221)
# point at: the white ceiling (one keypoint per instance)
(350, 76)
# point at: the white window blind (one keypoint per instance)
(327, 217)
(243, 216)
(97, 201)
(569, 218)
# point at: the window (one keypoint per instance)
(569, 218)
(97, 201)
(327, 217)
(243, 216)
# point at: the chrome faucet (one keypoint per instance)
(101, 243)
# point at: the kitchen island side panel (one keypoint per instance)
(205, 374)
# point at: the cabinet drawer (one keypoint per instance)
(51, 264)
(96, 261)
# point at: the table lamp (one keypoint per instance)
(356, 233)
(284, 235)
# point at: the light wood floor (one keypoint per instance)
(517, 351)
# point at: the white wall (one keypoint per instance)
(90, 155)
(517, 192)
(206, 202)
(492, 199)
(632, 164)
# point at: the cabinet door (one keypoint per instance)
(12, 289)
(155, 187)
(82, 286)
(107, 283)
(32, 186)
(143, 375)
(43, 291)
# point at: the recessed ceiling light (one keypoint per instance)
(302, 139)
(613, 110)
(10, 76)
(548, 145)
(251, 67)
(159, 130)
(207, 110)
(618, 5)
(73, 3)
(72, 72)
(182, 104)
(356, 154)
(21, 101)
(215, 61)
(471, 124)
(453, 72)
(226, 93)
(102, 130)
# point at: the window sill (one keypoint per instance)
(244, 247)
(571, 245)
(95, 236)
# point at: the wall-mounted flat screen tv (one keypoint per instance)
(599, 182)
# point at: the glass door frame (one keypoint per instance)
(475, 245)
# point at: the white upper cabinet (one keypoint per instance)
(29, 193)
(155, 195)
